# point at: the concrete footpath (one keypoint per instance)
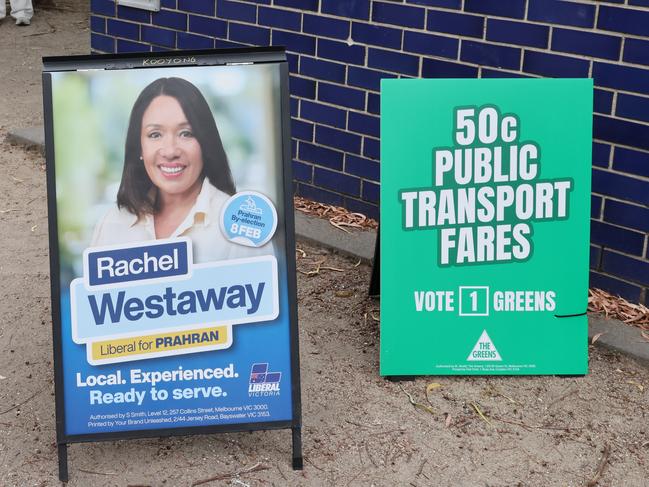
(611, 333)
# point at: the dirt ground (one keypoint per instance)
(359, 429)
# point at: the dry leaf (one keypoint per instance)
(332, 268)
(596, 337)
(344, 294)
(338, 216)
(338, 226)
(619, 308)
(432, 386)
(637, 384)
(481, 414)
(448, 420)
(416, 404)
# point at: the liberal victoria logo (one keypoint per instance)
(263, 382)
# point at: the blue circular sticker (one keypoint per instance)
(248, 218)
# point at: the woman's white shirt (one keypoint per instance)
(201, 225)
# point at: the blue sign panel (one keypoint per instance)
(176, 307)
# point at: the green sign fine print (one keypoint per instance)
(485, 215)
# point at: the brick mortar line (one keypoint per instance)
(601, 210)
(121, 19)
(623, 146)
(613, 198)
(527, 10)
(626, 254)
(332, 105)
(344, 195)
(375, 161)
(316, 164)
(617, 225)
(340, 171)
(360, 178)
(614, 108)
(617, 200)
(610, 3)
(343, 171)
(630, 256)
(139, 40)
(337, 83)
(624, 92)
(611, 154)
(626, 64)
(618, 278)
(335, 149)
(340, 130)
(644, 179)
(484, 26)
(548, 42)
(622, 48)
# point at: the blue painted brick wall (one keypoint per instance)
(338, 52)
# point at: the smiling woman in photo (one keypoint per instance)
(176, 175)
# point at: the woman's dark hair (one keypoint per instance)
(134, 192)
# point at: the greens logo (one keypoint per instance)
(486, 192)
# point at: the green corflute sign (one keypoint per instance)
(485, 213)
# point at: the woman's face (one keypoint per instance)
(171, 154)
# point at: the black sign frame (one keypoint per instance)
(211, 57)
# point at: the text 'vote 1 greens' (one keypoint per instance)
(485, 208)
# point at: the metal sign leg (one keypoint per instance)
(63, 462)
(375, 281)
(297, 448)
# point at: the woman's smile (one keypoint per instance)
(171, 171)
(171, 153)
